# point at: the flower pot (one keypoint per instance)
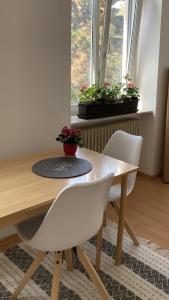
(69, 149)
(100, 110)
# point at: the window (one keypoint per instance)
(114, 63)
(82, 45)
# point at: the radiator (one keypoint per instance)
(95, 137)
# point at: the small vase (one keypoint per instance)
(70, 149)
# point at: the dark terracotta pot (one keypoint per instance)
(69, 149)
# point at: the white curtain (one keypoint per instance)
(134, 19)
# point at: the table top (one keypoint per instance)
(24, 194)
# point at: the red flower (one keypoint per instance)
(83, 87)
(130, 85)
(70, 131)
(65, 131)
(70, 136)
(106, 84)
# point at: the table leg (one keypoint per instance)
(121, 221)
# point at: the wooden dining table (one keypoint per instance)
(23, 194)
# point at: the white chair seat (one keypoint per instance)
(115, 192)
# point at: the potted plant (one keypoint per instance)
(71, 138)
(107, 100)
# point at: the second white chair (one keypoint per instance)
(125, 147)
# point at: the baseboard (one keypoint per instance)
(9, 241)
(149, 176)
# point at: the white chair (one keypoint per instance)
(74, 217)
(125, 147)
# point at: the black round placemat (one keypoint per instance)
(62, 167)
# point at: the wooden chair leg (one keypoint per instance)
(83, 258)
(111, 212)
(68, 256)
(126, 225)
(31, 270)
(56, 276)
(98, 248)
(104, 219)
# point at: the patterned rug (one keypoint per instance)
(144, 273)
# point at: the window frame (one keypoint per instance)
(98, 62)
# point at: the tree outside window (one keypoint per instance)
(81, 43)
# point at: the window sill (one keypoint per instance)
(78, 122)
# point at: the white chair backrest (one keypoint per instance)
(74, 217)
(125, 147)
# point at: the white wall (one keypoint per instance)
(34, 74)
(152, 79)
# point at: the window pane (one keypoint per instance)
(116, 38)
(80, 45)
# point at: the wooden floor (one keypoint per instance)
(148, 210)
